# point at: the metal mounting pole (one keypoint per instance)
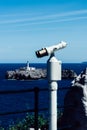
(53, 75)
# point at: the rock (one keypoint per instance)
(36, 73)
(21, 74)
(75, 105)
(10, 74)
(68, 74)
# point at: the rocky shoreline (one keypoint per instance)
(37, 73)
(21, 74)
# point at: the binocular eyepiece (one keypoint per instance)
(49, 50)
(41, 53)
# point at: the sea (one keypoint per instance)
(24, 101)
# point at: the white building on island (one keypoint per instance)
(28, 67)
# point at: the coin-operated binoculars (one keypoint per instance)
(53, 75)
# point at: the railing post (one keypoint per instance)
(36, 91)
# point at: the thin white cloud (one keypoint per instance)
(46, 17)
(54, 21)
(42, 22)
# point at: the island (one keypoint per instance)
(26, 73)
(32, 73)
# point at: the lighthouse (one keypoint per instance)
(28, 68)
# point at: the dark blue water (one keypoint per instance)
(23, 101)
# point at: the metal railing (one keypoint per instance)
(36, 109)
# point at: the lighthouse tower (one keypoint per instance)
(28, 68)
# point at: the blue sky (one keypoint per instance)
(29, 25)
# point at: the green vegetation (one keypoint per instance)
(28, 122)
